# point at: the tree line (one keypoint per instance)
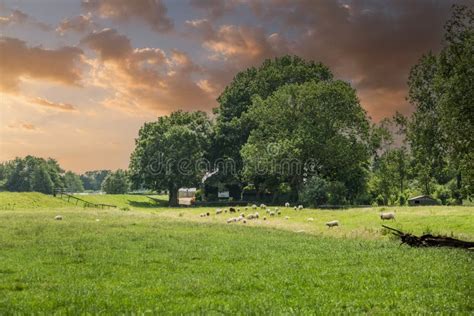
(46, 176)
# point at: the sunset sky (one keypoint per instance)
(79, 78)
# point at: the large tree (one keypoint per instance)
(169, 151)
(314, 128)
(231, 131)
(440, 87)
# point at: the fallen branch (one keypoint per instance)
(429, 240)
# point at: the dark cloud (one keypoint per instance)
(152, 12)
(371, 43)
(17, 60)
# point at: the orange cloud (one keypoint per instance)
(53, 105)
(22, 126)
(145, 78)
(152, 12)
(17, 60)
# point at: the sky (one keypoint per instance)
(78, 78)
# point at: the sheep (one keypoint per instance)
(208, 214)
(232, 210)
(263, 206)
(245, 222)
(287, 204)
(332, 224)
(264, 218)
(218, 211)
(310, 219)
(58, 217)
(246, 209)
(254, 207)
(387, 216)
(272, 213)
(253, 216)
(231, 220)
(202, 215)
(268, 211)
(242, 214)
(287, 217)
(225, 211)
(278, 213)
(300, 207)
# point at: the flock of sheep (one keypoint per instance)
(243, 217)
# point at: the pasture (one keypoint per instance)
(144, 259)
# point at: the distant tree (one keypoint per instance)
(116, 183)
(32, 174)
(41, 180)
(168, 152)
(92, 180)
(72, 182)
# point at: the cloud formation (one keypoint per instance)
(145, 78)
(22, 125)
(17, 61)
(152, 12)
(80, 24)
(18, 17)
(52, 105)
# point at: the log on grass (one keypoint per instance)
(429, 240)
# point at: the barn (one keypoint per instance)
(422, 200)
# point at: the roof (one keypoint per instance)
(420, 197)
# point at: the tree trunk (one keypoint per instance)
(173, 195)
(458, 187)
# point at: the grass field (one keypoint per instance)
(162, 260)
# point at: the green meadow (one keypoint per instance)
(145, 258)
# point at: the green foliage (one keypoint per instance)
(92, 180)
(72, 182)
(231, 130)
(440, 87)
(32, 174)
(116, 183)
(313, 127)
(315, 192)
(168, 152)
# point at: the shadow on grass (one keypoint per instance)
(151, 204)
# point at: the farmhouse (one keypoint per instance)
(422, 200)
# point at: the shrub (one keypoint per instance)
(315, 192)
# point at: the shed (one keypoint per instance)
(187, 192)
(422, 200)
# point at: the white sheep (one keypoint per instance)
(332, 224)
(254, 207)
(295, 208)
(242, 214)
(218, 211)
(231, 220)
(300, 207)
(263, 206)
(287, 217)
(58, 217)
(387, 216)
(268, 211)
(287, 204)
(310, 219)
(272, 213)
